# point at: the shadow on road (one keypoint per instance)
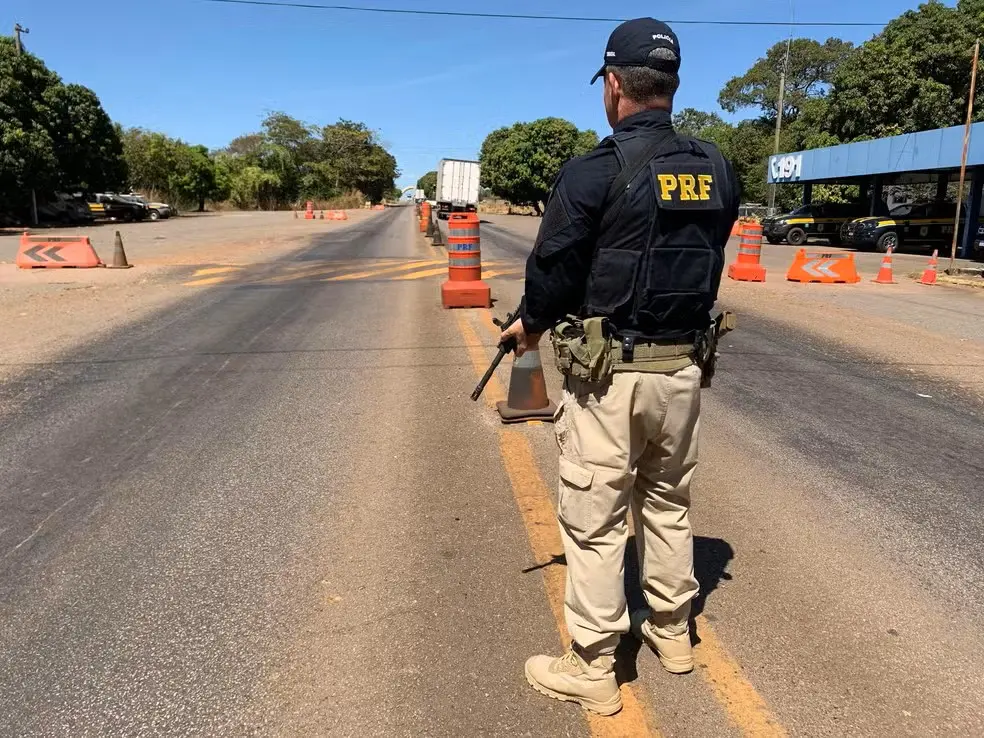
(711, 559)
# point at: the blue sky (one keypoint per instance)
(432, 87)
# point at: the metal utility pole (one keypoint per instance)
(963, 159)
(18, 30)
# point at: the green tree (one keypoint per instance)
(196, 177)
(913, 76)
(252, 187)
(697, 123)
(810, 73)
(172, 169)
(428, 183)
(87, 144)
(151, 158)
(52, 135)
(520, 163)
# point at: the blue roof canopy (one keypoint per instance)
(938, 151)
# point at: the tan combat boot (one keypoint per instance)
(577, 677)
(668, 637)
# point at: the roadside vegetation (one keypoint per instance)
(56, 137)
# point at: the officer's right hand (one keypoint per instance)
(524, 342)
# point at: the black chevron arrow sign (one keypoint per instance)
(41, 253)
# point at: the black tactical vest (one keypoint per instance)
(657, 266)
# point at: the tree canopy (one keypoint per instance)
(288, 161)
(52, 135)
(428, 183)
(520, 163)
(808, 75)
(913, 76)
(172, 169)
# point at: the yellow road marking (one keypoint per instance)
(215, 270)
(743, 704)
(502, 272)
(205, 282)
(741, 701)
(536, 507)
(386, 270)
(421, 275)
(307, 272)
(436, 273)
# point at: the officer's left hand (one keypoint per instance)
(524, 342)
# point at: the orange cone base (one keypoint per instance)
(475, 294)
(747, 272)
(510, 415)
(928, 278)
(884, 280)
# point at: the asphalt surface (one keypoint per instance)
(272, 510)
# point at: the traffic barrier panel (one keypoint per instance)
(929, 274)
(51, 252)
(821, 267)
(748, 267)
(465, 287)
(527, 399)
(309, 211)
(885, 273)
(119, 254)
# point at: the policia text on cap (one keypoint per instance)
(624, 275)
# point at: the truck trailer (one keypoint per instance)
(457, 187)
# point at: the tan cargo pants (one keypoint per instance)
(628, 441)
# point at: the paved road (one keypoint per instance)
(273, 510)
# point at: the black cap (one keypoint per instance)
(631, 43)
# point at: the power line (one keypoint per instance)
(520, 16)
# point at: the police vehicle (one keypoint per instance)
(978, 251)
(816, 220)
(925, 224)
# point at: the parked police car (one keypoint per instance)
(978, 251)
(817, 220)
(925, 224)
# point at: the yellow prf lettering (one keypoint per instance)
(705, 180)
(667, 184)
(687, 184)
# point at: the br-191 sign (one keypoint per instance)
(786, 168)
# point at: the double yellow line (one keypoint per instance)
(741, 702)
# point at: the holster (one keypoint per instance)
(707, 345)
(583, 348)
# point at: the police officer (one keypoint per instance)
(624, 274)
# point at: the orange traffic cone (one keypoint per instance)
(929, 275)
(527, 392)
(885, 273)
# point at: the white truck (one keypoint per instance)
(457, 187)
